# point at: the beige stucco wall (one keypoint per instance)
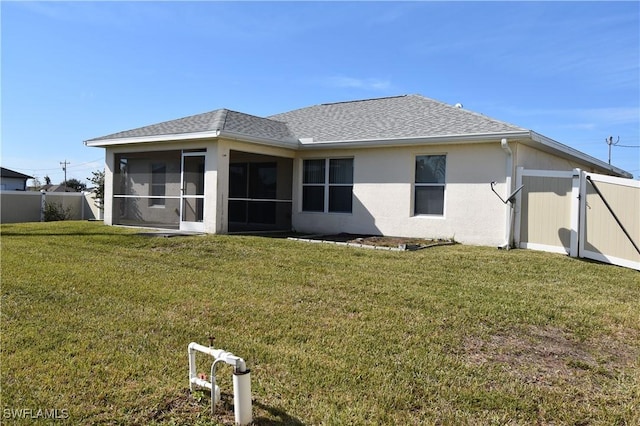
(383, 194)
(383, 187)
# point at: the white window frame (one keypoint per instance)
(418, 185)
(326, 185)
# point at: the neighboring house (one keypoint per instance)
(56, 188)
(13, 181)
(399, 166)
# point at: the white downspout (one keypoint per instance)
(509, 212)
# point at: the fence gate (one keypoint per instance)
(581, 214)
(610, 225)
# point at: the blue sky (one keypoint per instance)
(72, 71)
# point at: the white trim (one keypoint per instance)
(548, 173)
(187, 225)
(421, 140)
(582, 212)
(292, 143)
(148, 139)
(610, 259)
(139, 196)
(545, 247)
(326, 185)
(414, 185)
(575, 213)
(614, 180)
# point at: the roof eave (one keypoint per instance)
(567, 150)
(420, 140)
(103, 143)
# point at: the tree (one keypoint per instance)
(47, 180)
(98, 186)
(75, 185)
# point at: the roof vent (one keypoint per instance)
(458, 105)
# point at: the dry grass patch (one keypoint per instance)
(548, 356)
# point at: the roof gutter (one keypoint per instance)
(308, 144)
(103, 143)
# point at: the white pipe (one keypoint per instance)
(509, 206)
(220, 354)
(241, 380)
(242, 397)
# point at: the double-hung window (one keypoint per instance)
(430, 185)
(327, 185)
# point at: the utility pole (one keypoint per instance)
(64, 168)
(609, 142)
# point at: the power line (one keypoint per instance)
(56, 168)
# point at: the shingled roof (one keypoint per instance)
(397, 117)
(220, 120)
(8, 173)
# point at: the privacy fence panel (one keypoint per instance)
(27, 206)
(20, 206)
(582, 214)
(610, 212)
(546, 211)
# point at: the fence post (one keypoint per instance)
(83, 200)
(582, 213)
(575, 212)
(43, 203)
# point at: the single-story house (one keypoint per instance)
(11, 180)
(405, 166)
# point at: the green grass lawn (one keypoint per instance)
(96, 321)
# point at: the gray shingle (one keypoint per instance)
(220, 119)
(407, 116)
(383, 118)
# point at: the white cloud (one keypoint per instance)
(359, 83)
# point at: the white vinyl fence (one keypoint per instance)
(28, 206)
(581, 214)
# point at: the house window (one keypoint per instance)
(158, 184)
(327, 192)
(430, 184)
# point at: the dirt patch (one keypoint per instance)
(403, 243)
(550, 357)
(192, 407)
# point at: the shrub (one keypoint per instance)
(56, 211)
